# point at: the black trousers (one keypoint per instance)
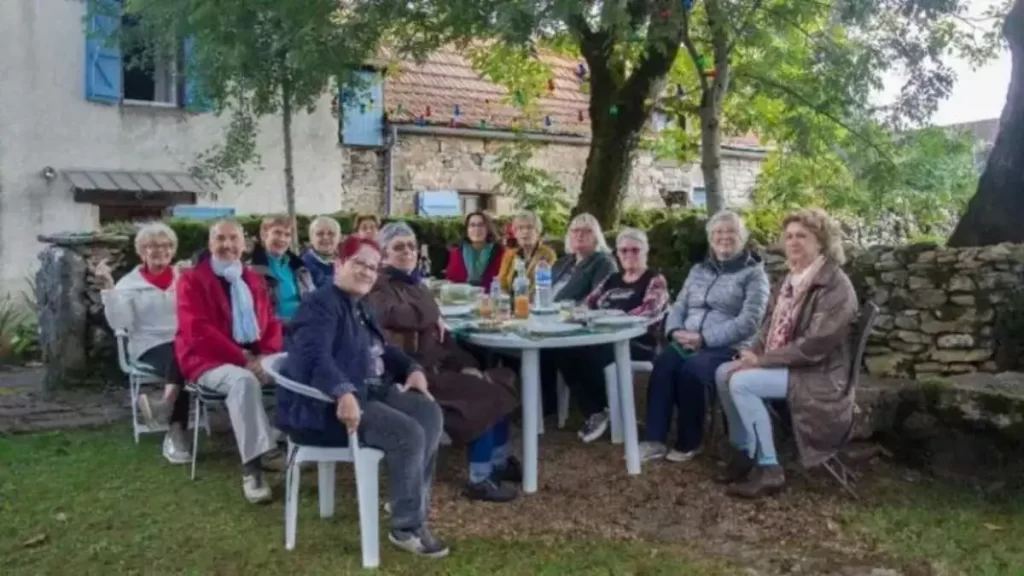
(583, 371)
(161, 359)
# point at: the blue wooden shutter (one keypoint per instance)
(195, 101)
(103, 53)
(362, 118)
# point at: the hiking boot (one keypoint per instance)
(652, 451)
(678, 456)
(511, 472)
(175, 449)
(420, 542)
(154, 412)
(256, 489)
(490, 491)
(763, 481)
(738, 469)
(594, 427)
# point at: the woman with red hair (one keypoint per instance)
(336, 346)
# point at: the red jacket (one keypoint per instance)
(204, 340)
(458, 272)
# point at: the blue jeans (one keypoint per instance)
(681, 383)
(489, 452)
(742, 397)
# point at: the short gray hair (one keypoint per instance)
(393, 230)
(586, 220)
(634, 234)
(528, 216)
(732, 217)
(321, 221)
(150, 230)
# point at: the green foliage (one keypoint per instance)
(19, 331)
(801, 75)
(532, 188)
(919, 191)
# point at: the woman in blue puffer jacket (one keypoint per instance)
(718, 311)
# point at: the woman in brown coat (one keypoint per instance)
(802, 354)
(476, 404)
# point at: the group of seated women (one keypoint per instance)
(370, 334)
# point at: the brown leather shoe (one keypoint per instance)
(738, 469)
(763, 481)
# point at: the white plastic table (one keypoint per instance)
(529, 374)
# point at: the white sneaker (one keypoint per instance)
(175, 450)
(678, 456)
(652, 451)
(256, 489)
(594, 427)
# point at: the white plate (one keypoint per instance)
(553, 328)
(618, 320)
(548, 310)
(606, 312)
(451, 310)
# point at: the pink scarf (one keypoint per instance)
(789, 303)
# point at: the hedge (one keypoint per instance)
(677, 238)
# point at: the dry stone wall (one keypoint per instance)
(938, 306)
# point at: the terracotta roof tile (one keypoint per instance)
(430, 91)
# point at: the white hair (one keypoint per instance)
(728, 216)
(393, 230)
(634, 234)
(531, 217)
(588, 221)
(150, 230)
(321, 221)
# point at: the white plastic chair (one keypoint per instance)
(140, 375)
(366, 462)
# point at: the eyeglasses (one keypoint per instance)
(159, 246)
(365, 266)
(629, 250)
(580, 231)
(403, 246)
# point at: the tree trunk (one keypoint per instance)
(289, 168)
(614, 139)
(994, 213)
(711, 158)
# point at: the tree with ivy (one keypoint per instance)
(249, 59)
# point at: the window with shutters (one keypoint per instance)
(117, 70)
(149, 77)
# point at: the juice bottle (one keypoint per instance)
(521, 292)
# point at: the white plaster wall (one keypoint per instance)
(45, 120)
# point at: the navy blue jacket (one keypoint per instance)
(323, 273)
(328, 347)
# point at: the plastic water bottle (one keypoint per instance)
(542, 296)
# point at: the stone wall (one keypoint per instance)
(428, 162)
(74, 338)
(938, 306)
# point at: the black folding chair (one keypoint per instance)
(780, 412)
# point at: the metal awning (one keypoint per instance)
(156, 188)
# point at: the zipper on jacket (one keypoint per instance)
(700, 327)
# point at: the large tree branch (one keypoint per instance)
(814, 107)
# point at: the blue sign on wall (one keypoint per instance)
(439, 203)
(202, 212)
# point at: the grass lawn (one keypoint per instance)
(92, 502)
